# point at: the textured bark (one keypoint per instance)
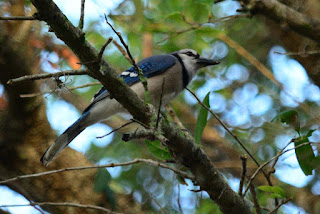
(275, 10)
(225, 157)
(296, 40)
(25, 134)
(184, 149)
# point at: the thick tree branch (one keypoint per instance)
(277, 11)
(25, 134)
(208, 177)
(73, 37)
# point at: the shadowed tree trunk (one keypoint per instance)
(25, 134)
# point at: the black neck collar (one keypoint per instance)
(185, 75)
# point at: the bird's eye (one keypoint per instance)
(189, 53)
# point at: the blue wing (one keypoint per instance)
(150, 66)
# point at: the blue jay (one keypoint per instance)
(177, 68)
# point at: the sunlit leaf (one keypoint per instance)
(277, 192)
(158, 150)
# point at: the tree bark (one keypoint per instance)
(25, 134)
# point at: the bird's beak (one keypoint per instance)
(203, 62)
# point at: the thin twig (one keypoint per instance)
(140, 72)
(160, 103)
(228, 18)
(230, 132)
(178, 199)
(121, 49)
(244, 159)
(301, 53)
(255, 199)
(64, 204)
(114, 130)
(47, 75)
(177, 33)
(177, 121)
(260, 66)
(185, 19)
(267, 162)
(156, 202)
(135, 161)
(18, 18)
(253, 60)
(279, 205)
(35, 207)
(82, 15)
(140, 123)
(103, 48)
(100, 53)
(271, 169)
(55, 90)
(197, 26)
(123, 43)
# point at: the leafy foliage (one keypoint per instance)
(102, 184)
(277, 192)
(235, 88)
(291, 118)
(304, 153)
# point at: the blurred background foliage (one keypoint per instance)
(240, 93)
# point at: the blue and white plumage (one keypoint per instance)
(177, 68)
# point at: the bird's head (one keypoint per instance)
(192, 60)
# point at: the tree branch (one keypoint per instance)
(230, 132)
(81, 15)
(47, 75)
(64, 204)
(135, 161)
(185, 151)
(273, 9)
(18, 18)
(267, 162)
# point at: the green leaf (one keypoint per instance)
(174, 18)
(101, 184)
(158, 150)
(102, 180)
(310, 133)
(202, 120)
(277, 192)
(275, 195)
(197, 11)
(304, 154)
(108, 192)
(291, 118)
(265, 188)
